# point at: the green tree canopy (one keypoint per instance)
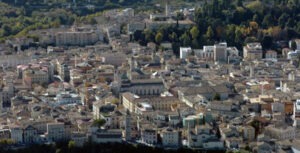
(158, 37)
(194, 32)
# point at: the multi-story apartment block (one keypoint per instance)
(149, 136)
(17, 134)
(56, 132)
(220, 52)
(78, 38)
(170, 137)
(253, 51)
(280, 133)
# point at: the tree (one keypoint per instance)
(149, 36)
(209, 33)
(115, 101)
(256, 6)
(253, 27)
(283, 19)
(185, 39)
(238, 3)
(158, 37)
(293, 45)
(217, 96)
(173, 37)
(290, 23)
(230, 34)
(99, 122)
(255, 18)
(194, 32)
(71, 146)
(7, 30)
(238, 36)
(298, 27)
(179, 16)
(5, 142)
(250, 40)
(268, 20)
(267, 42)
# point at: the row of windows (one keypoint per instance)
(147, 91)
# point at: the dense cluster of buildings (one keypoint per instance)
(211, 98)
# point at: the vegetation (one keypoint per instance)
(16, 22)
(265, 21)
(5, 142)
(99, 122)
(236, 23)
(17, 19)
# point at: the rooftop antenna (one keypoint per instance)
(167, 11)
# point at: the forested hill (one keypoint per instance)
(271, 22)
(236, 21)
(52, 3)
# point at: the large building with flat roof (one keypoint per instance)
(76, 38)
(253, 51)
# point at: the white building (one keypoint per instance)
(174, 120)
(207, 53)
(232, 51)
(281, 133)
(170, 137)
(184, 52)
(143, 107)
(132, 27)
(271, 54)
(213, 144)
(278, 107)
(14, 60)
(96, 110)
(65, 98)
(56, 132)
(220, 52)
(31, 76)
(30, 135)
(128, 12)
(149, 136)
(253, 51)
(78, 38)
(113, 59)
(17, 134)
(203, 138)
(107, 136)
(79, 138)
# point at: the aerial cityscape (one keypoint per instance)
(143, 76)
